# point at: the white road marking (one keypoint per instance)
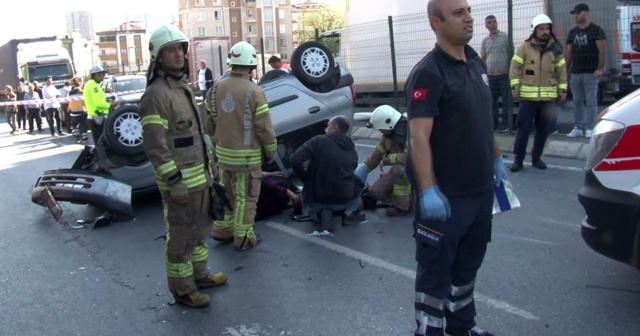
(567, 168)
(521, 238)
(411, 274)
(558, 222)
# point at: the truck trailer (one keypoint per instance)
(10, 73)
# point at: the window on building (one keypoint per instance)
(201, 31)
(136, 38)
(249, 13)
(248, 28)
(234, 34)
(268, 14)
(269, 45)
(233, 19)
(123, 39)
(267, 2)
(268, 29)
(283, 29)
(216, 1)
(200, 16)
(250, 1)
(199, 2)
(216, 15)
(232, 4)
(109, 38)
(282, 13)
(219, 31)
(283, 42)
(137, 50)
(285, 56)
(103, 52)
(123, 50)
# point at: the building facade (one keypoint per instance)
(266, 24)
(124, 49)
(81, 22)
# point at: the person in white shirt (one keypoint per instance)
(205, 77)
(64, 106)
(51, 108)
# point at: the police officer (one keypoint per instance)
(538, 77)
(96, 103)
(177, 146)
(391, 151)
(243, 135)
(452, 162)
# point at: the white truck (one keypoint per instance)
(37, 60)
(364, 44)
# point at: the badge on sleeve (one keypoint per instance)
(419, 94)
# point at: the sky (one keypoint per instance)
(47, 18)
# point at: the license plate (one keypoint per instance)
(51, 203)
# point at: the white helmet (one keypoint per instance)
(538, 20)
(243, 53)
(165, 35)
(96, 69)
(384, 117)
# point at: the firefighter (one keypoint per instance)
(538, 78)
(178, 147)
(96, 102)
(391, 151)
(243, 135)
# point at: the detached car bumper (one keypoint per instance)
(611, 225)
(84, 187)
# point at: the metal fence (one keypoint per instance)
(381, 54)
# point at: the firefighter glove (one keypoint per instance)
(179, 192)
(434, 205)
(499, 170)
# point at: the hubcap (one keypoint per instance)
(128, 129)
(315, 62)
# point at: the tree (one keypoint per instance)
(322, 19)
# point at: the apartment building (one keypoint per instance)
(81, 22)
(216, 25)
(124, 49)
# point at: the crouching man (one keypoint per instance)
(391, 151)
(329, 183)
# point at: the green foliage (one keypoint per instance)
(322, 19)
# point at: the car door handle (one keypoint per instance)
(314, 109)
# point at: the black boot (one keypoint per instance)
(516, 166)
(538, 163)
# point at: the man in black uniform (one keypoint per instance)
(452, 161)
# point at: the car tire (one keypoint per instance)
(123, 130)
(312, 63)
(271, 75)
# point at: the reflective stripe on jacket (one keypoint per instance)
(174, 133)
(243, 130)
(539, 72)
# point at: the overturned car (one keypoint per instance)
(108, 174)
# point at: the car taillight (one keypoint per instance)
(605, 136)
(353, 95)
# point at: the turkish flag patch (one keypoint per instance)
(419, 94)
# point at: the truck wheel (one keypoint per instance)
(312, 63)
(123, 130)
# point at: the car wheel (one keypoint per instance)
(312, 63)
(271, 75)
(123, 130)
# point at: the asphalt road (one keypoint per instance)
(538, 278)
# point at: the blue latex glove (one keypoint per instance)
(499, 170)
(434, 205)
(362, 171)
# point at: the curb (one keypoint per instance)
(564, 149)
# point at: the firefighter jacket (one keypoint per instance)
(95, 100)
(391, 150)
(242, 129)
(539, 72)
(174, 134)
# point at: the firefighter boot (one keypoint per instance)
(212, 280)
(222, 234)
(246, 242)
(193, 299)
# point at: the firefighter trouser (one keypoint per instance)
(243, 190)
(449, 255)
(395, 187)
(186, 250)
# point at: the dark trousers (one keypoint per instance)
(33, 114)
(22, 117)
(530, 112)
(501, 87)
(53, 114)
(79, 122)
(447, 265)
(96, 130)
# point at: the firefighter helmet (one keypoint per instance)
(383, 118)
(539, 20)
(244, 54)
(163, 36)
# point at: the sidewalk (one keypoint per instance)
(558, 145)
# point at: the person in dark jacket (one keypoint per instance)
(330, 184)
(277, 193)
